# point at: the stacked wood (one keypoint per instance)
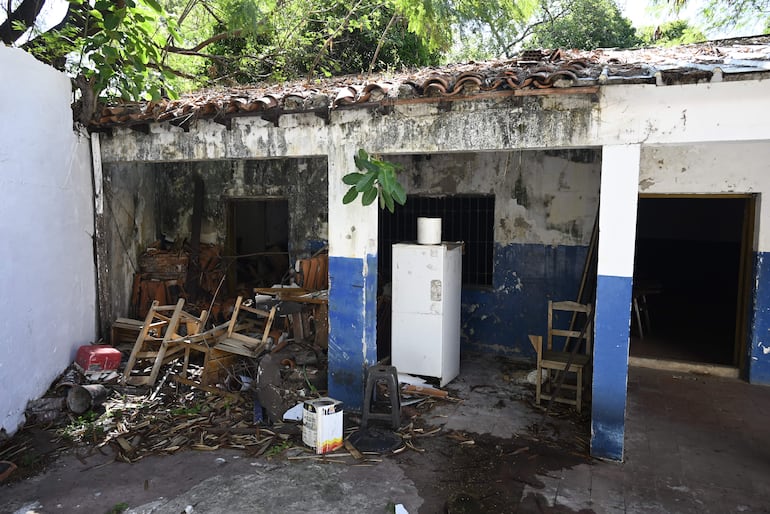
(162, 275)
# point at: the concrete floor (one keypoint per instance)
(694, 443)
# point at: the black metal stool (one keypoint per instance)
(389, 376)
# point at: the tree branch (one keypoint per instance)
(206, 42)
(528, 30)
(26, 13)
(329, 40)
(381, 41)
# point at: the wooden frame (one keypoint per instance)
(564, 360)
(161, 330)
(241, 344)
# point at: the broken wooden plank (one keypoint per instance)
(425, 391)
(208, 389)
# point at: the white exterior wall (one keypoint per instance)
(711, 168)
(47, 271)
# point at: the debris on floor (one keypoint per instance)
(272, 403)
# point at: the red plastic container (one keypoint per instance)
(98, 357)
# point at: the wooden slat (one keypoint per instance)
(169, 335)
(140, 341)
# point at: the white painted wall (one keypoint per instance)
(617, 213)
(48, 293)
(741, 167)
(355, 234)
(694, 113)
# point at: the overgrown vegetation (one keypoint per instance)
(673, 33)
(722, 15)
(587, 25)
(147, 49)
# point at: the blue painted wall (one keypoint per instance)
(759, 341)
(526, 276)
(610, 376)
(352, 312)
(314, 245)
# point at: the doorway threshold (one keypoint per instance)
(699, 368)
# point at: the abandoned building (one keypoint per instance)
(665, 150)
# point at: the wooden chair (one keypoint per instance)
(567, 351)
(241, 344)
(160, 341)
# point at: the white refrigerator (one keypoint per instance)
(426, 309)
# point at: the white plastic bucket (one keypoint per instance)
(429, 231)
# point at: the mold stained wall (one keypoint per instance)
(302, 182)
(47, 268)
(737, 167)
(545, 206)
(130, 192)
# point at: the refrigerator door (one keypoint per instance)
(418, 278)
(415, 349)
(426, 310)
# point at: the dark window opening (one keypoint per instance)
(467, 218)
(258, 239)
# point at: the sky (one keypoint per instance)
(640, 14)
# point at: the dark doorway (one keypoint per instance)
(258, 236)
(690, 278)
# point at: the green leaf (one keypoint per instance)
(366, 182)
(352, 179)
(350, 195)
(111, 21)
(369, 196)
(155, 5)
(387, 179)
(361, 161)
(388, 200)
(399, 195)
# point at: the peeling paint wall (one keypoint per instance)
(302, 182)
(130, 198)
(47, 269)
(545, 206)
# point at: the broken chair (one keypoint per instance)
(567, 351)
(162, 338)
(234, 341)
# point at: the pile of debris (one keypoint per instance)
(253, 408)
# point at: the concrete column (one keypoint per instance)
(353, 284)
(617, 236)
(759, 342)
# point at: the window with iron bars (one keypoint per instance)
(466, 218)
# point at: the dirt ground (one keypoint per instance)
(454, 471)
(488, 476)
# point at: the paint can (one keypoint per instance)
(429, 231)
(81, 398)
(322, 424)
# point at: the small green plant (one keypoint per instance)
(187, 411)
(118, 508)
(310, 386)
(87, 426)
(378, 180)
(278, 449)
